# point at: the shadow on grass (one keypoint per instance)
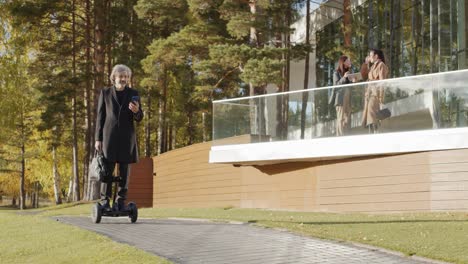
(8, 207)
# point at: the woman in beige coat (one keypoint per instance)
(374, 94)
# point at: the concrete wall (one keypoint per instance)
(426, 181)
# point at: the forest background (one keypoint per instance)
(55, 56)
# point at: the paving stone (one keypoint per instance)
(184, 241)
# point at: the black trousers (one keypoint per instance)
(106, 184)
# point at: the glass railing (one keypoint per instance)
(433, 101)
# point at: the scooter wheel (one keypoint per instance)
(133, 212)
(96, 213)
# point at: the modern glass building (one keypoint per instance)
(425, 48)
(417, 36)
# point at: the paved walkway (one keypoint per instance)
(186, 241)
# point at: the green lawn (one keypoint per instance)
(38, 239)
(442, 236)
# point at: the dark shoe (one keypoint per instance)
(105, 204)
(115, 207)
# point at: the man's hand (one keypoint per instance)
(134, 107)
(98, 146)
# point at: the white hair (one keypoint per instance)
(118, 69)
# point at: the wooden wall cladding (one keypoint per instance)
(140, 186)
(426, 181)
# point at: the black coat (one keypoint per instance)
(115, 126)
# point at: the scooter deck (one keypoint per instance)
(116, 213)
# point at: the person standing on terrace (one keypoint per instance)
(374, 93)
(341, 97)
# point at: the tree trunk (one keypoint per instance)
(346, 23)
(286, 45)
(22, 204)
(462, 29)
(253, 43)
(148, 125)
(109, 60)
(99, 52)
(56, 177)
(33, 196)
(370, 40)
(160, 126)
(253, 31)
(389, 61)
(70, 190)
(204, 126)
(414, 38)
(23, 171)
(110, 41)
(174, 138)
(434, 22)
(99, 61)
(423, 32)
(191, 127)
(76, 176)
(38, 190)
(164, 129)
(89, 138)
(190, 119)
(169, 141)
(305, 95)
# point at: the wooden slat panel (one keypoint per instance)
(450, 205)
(197, 183)
(449, 195)
(406, 182)
(203, 191)
(449, 176)
(376, 198)
(204, 198)
(384, 189)
(449, 167)
(375, 181)
(450, 186)
(197, 204)
(378, 170)
(451, 156)
(187, 174)
(140, 186)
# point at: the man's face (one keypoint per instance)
(121, 79)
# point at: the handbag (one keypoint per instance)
(383, 113)
(99, 169)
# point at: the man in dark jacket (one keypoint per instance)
(118, 107)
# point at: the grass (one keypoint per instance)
(37, 239)
(442, 236)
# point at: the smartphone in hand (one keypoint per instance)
(135, 98)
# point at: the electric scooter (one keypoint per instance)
(98, 210)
